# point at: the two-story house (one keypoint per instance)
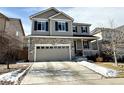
(55, 36)
(11, 34)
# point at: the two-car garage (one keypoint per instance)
(50, 52)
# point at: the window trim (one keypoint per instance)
(86, 31)
(61, 22)
(86, 43)
(17, 33)
(40, 21)
(75, 29)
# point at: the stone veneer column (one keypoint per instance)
(82, 47)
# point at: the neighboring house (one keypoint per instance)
(11, 31)
(103, 34)
(105, 39)
(54, 36)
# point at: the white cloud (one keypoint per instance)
(97, 16)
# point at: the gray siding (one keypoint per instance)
(51, 22)
(61, 16)
(79, 32)
(57, 33)
(47, 33)
(46, 14)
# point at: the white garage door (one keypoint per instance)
(46, 52)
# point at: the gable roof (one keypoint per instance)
(16, 19)
(52, 8)
(4, 16)
(62, 14)
(97, 30)
(120, 27)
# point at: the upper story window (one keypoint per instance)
(61, 26)
(74, 28)
(17, 33)
(40, 25)
(84, 29)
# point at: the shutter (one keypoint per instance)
(66, 26)
(76, 29)
(35, 25)
(85, 29)
(39, 25)
(47, 26)
(82, 30)
(56, 26)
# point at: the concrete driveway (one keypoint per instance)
(51, 73)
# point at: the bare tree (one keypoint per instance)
(9, 48)
(116, 40)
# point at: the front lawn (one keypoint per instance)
(111, 65)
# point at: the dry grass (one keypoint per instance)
(3, 67)
(111, 65)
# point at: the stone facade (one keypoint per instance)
(39, 40)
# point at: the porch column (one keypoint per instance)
(29, 46)
(97, 45)
(82, 47)
(90, 45)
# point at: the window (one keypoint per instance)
(86, 44)
(51, 47)
(74, 28)
(67, 46)
(47, 47)
(59, 46)
(61, 26)
(41, 25)
(17, 33)
(42, 47)
(38, 47)
(84, 29)
(55, 46)
(63, 46)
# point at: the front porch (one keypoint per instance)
(86, 47)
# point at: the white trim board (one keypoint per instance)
(39, 19)
(71, 37)
(55, 19)
(62, 14)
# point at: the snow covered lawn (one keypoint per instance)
(13, 67)
(107, 72)
(13, 75)
(119, 68)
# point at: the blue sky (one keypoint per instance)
(97, 16)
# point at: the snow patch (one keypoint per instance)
(101, 70)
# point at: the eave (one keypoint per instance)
(64, 37)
